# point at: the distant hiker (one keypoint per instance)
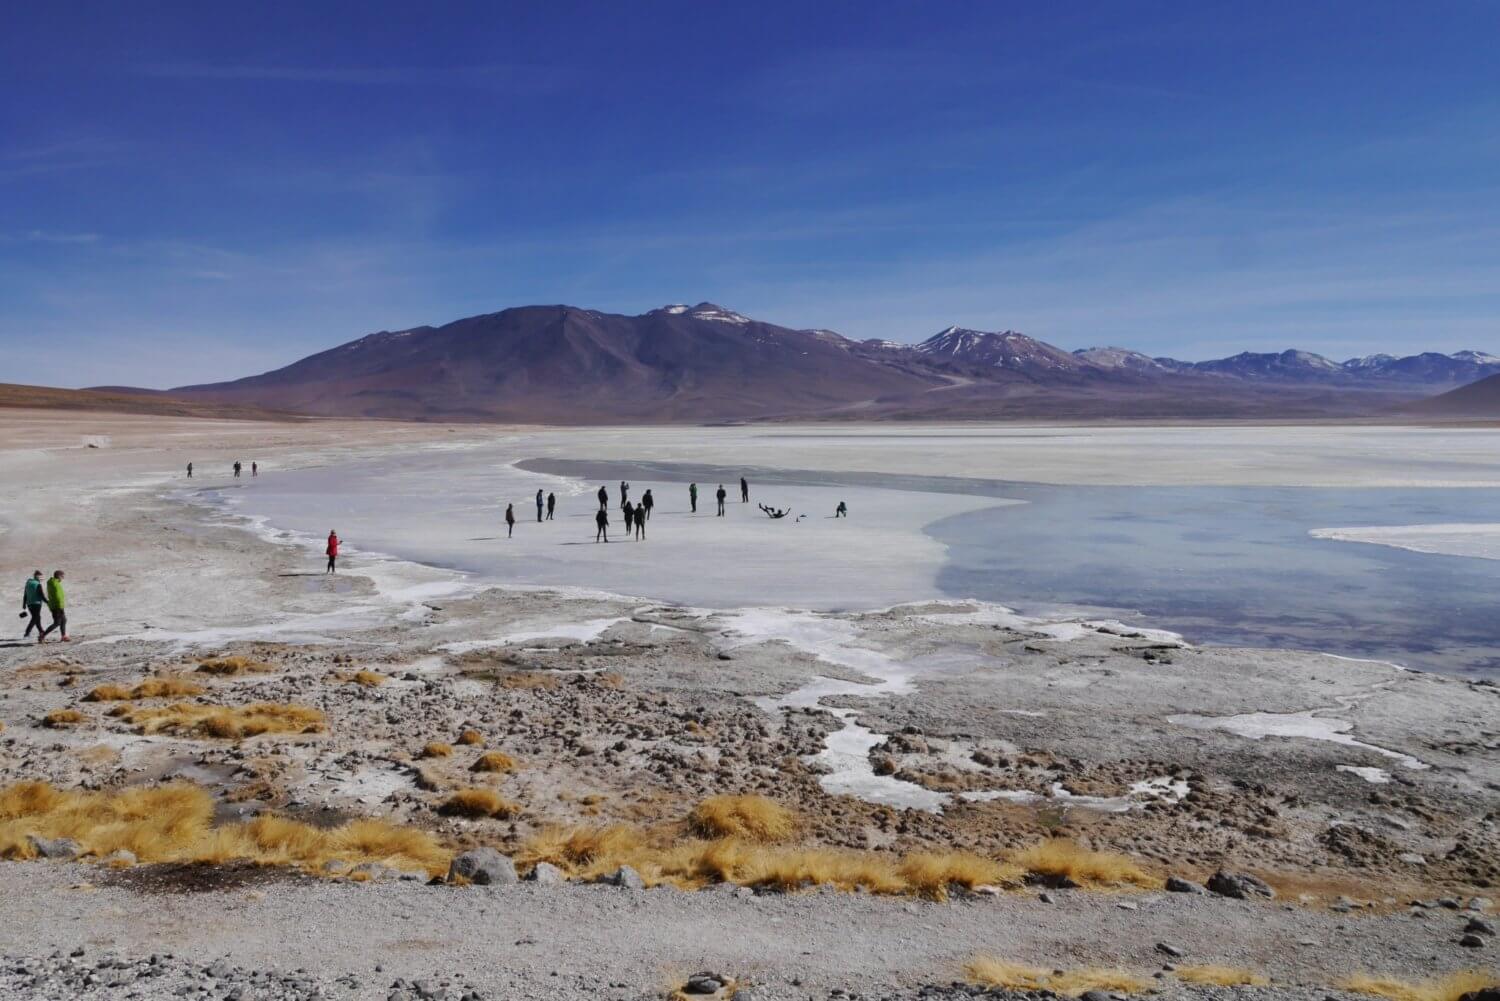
(648, 502)
(722, 493)
(640, 520)
(254, 469)
(57, 605)
(628, 512)
(510, 520)
(842, 511)
(541, 502)
(190, 470)
(693, 496)
(744, 491)
(236, 469)
(624, 494)
(33, 596)
(601, 519)
(551, 505)
(603, 499)
(333, 552)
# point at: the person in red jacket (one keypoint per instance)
(333, 552)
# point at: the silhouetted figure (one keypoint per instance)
(541, 502)
(744, 491)
(333, 552)
(510, 520)
(190, 470)
(254, 469)
(551, 505)
(624, 494)
(640, 521)
(722, 493)
(603, 499)
(602, 521)
(774, 512)
(236, 469)
(692, 495)
(648, 502)
(842, 511)
(627, 511)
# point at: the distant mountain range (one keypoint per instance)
(708, 363)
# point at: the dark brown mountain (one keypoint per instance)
(120, 400)
(1476, 401)
(568, 365)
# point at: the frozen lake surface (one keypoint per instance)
(1220, 564)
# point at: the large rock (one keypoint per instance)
(546, 874)
(1176, 884)
(1239, 885)
(62, 849)
(627, 878)
(484, 867)
(1483, 994)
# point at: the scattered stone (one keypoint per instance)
(1176, 884)
(1168, 949)
(63, 849)
(1472, 942)
(1479, 926)
(1239, 885)
(546, 874)
(627, 878)
(484, 867)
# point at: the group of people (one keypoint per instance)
(238, 468)
(50, 593)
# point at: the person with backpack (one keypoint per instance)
(33, 596)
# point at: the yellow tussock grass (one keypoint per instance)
(610, 679)
(494, 761)
(529, 679)
(174, 823)
(932, 874)
(479, 803)
(226, 722)
(229, 666)
(368, 679)
(437, 749)
(63, 717)
(151, 688)
(470, 738)
(1221, 976)
(993, 972)
(1057, 858)
(1446, 988)
(753, 818)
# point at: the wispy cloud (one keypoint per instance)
(46, 236)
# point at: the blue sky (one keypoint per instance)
(191, 192)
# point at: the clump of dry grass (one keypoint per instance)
(151, 688)
(174, 823)
(470, 738)
(58, 718)
(932, 874)
(437, 749)
(1221, 976)
(751, 817)
(368, 679)
(993, 972)
(236, 665)
(1446, 988)
(529, 679)
(226, 722)
(610, 679)
(1058, 858)
(478, 803)
(494, 761)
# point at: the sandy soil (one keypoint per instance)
(1352, 787)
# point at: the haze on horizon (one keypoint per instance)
(191, 194)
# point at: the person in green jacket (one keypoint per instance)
(57, 605)
(31, 604)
